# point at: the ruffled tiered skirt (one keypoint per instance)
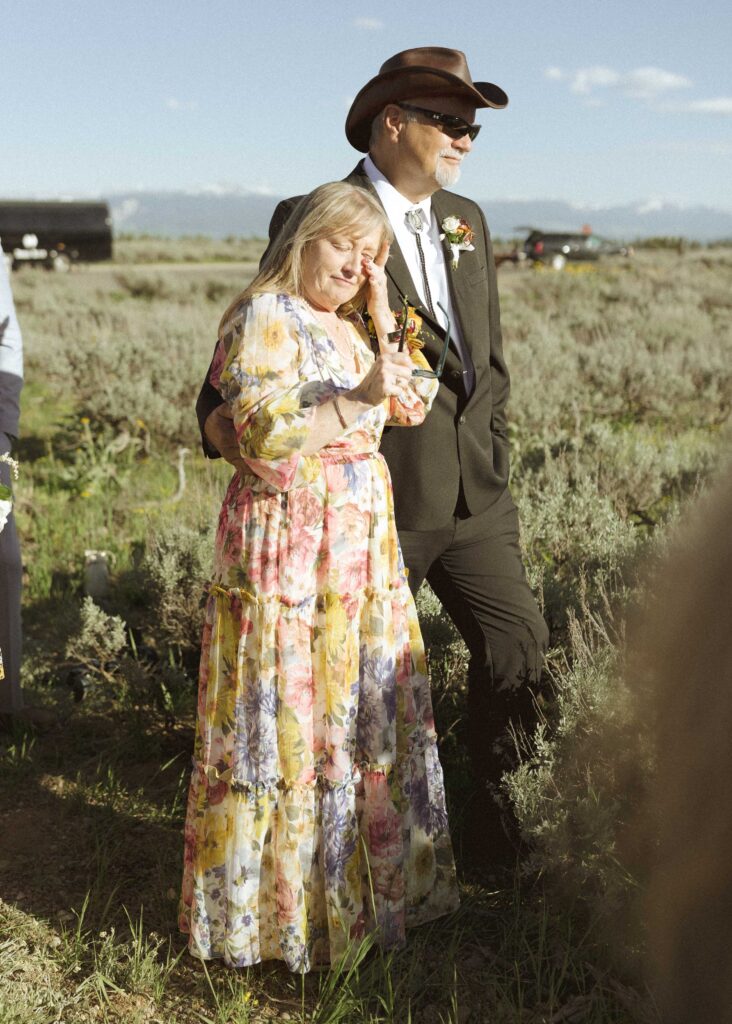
(316, 810)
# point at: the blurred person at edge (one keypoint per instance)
(11, 570)
(458, 525)
(682, 660)
(316, 813)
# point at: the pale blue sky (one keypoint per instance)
(610, 101)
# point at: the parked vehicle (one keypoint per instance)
(555, 248)
(514, 256)
(55, 234)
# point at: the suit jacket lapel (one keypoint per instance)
(457, 282)
(396, 268)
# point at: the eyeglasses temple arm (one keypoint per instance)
(405, 318)
(443, 354)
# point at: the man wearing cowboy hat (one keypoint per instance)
(457, 523)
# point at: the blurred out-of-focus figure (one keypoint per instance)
(11, 383)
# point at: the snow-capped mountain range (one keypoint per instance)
(221, 212)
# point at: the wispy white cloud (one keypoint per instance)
(648, 83)
(175, 104)
(369, 24)
(693, 147)
(645, 83)
(716, 105)
(586, 80)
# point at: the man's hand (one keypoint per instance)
(219, 431)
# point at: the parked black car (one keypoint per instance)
(55, 234)
(554, 248)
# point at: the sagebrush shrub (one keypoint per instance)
(573, 537)
(130, 349)
(629, 345)
(170, 582)
(99, 637)
(145, 366)
(584, 774)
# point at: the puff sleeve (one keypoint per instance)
(256, 369)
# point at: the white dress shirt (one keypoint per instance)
(396, 206)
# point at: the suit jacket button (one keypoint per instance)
(456, 374)
(461, 420)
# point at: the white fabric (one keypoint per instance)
(11, 345)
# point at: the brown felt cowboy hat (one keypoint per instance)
(422, 71)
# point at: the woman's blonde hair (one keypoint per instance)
(331, 209)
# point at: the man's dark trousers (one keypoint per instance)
(473, 564)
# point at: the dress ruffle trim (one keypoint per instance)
(323, 597)
(271, 788)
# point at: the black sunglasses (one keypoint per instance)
(418, 371)
(450, 124)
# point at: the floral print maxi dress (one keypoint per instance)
(316, 810)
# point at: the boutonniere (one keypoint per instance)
(458, 237)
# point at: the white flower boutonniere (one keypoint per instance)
(458, 234)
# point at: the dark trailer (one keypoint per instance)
(54, 234)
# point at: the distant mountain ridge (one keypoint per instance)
(215, 214)
(221, 213)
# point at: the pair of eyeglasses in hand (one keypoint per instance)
(417, 371)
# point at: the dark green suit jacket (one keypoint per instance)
(462, 437)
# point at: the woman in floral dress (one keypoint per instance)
(316, 810)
